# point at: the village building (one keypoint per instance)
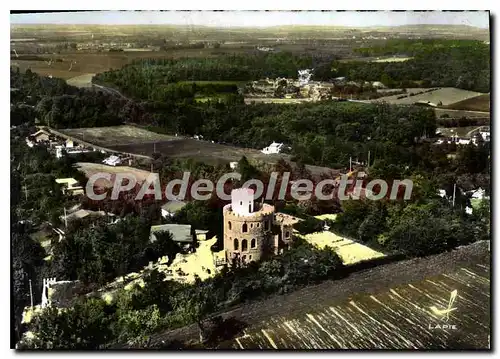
(181, 233)
(273, 148)
(70, 186)
(40, 136)
(378, 85)
(485, 133)
(84, 213)
(112, 160)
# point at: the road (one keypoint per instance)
(473, 130)
(109, 90)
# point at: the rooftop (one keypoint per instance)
(180, 232)
(173, 206)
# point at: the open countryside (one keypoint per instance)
(363, 103)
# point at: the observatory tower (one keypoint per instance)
(248, 227)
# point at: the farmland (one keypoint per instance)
(478, 103)
(398, 318)
(386, 307)
(442, 96)
(116, 135)
(89, 169)
(90, 44)
(135, 140)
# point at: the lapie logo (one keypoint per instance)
(445, 313)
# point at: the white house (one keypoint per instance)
(378, 85)
(112, 160)
(273, 148)
(478, 193)
(485, 134)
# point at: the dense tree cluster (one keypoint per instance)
(417, 229)
(464, 65)
(144, 77)
(106, 251)
(29, 87)
(136, 314)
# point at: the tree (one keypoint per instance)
(247, 170)
(196, 303)
(85, 326)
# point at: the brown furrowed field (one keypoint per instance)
(135, 140)
(211, 153)
(478, 103)
(116, 135)
(386, 307)
(87, 62)
(399, 318)
(441, 96)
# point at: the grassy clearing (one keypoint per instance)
(89, 169)
(349, 251)
(81, 81)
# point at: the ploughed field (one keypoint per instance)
(386, 307)
(399, 318)
(441, 96)
(478, 103)
(130, 139)
(115, 135)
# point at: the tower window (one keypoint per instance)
(241, 203)
(244, 228)
(229, 225)
(244, 245)
(266, 225)
(287, 234)
(251, 225)
(249, 207)
(253, 243)
(236, 244)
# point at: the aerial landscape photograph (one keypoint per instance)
(250, 180)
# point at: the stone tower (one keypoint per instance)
(247, 227)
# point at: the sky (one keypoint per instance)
(257, 18)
